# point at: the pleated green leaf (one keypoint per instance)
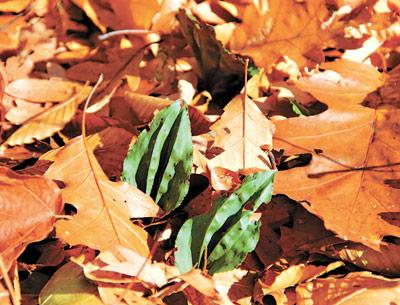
(210, 230)
(240, 239)
(160, 161)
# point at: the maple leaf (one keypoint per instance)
(28, 206)
(102, 221)
(266, 37)
(241, 132)
(354, 156)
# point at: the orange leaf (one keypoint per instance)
(102, 221)
(354, 159)
(266, 37)
(28, 206)
(357, 288)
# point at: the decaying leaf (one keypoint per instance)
(218, 67)
(42, 90)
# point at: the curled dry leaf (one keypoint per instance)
(47, 122)
(354, 158)
(102, 221)
(28, 206)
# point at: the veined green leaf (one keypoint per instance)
(160, 161)
(240, 239)
(196, 233)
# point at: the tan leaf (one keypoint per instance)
(266, 37)
(44, 90)
(354, 160)
(47, 122)
(102, 221)
(206, 286)
(241, 132)
(357, 288)
(342, 80)
(28, 206)
(137, 266)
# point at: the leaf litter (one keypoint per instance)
(235, 152)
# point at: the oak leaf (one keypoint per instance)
(267, 36)
(354, 157)
(102, 221)
(241, 132)
(28, 206)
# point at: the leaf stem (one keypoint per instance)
(244, 113)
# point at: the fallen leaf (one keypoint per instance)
(354, 157)
(205, 285)
(219, 69)
(385, 261)
(14, 6)
(46, 123)
(273, 280)
(266, 37)
(28, 206)
(45, 90)
(102, 221)
(357, 288)
(69, 286)
(241, 132)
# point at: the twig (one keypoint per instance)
(124, 32)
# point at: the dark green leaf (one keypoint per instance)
(196, 234)
(160, 161)
(240, 239)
